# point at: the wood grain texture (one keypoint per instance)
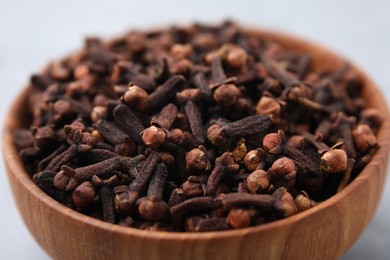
(323, 232)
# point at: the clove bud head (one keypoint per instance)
(152, 210)
(273, 143)
(181, 50)
(269, 106)
(196, 161)
(334, 161)
(136, 98)
(284, 202)
(124, 202)
(239, 218)
(192, 189)
(216, 135)
(283, 166)
(176, 135)
(226, 95)
(154, 136)
(64, 179)
(363, 138)
(258, 182)
(98, 113)
(303, 202)
(252, 160)
(83, 196)
(236, 57)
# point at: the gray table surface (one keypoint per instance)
(34, 32)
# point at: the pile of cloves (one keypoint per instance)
(196, 128)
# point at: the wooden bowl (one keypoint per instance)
(323, 232)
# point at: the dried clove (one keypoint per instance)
(154, 136)
(68, 178)
(262, 201)
(165, 92)
(195, 120)
(275, 143)
(284, 202)
(219, 134)
(176, 197)
(197, 161)
(111, 132)
(166, 117)
(196, 205)
(258, 182)
(84, 195)
(153, 208)
(344, 127)
(136, 98)
(128, 122)
(106, 196)
(224, 165)
(201, 83)
(125, 201)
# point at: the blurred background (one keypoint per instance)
(34, 32)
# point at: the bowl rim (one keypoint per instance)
(11, 157)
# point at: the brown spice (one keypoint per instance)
(236, 121)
